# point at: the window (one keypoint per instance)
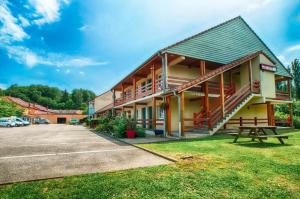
(160, 112)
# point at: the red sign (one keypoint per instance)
(268, 67)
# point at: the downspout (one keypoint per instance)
(179, 111)
(164, 90)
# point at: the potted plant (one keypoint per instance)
(130, 130)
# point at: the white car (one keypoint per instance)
(7, 122)
(20, 122)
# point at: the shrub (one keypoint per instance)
(119, 125)
(104, 124)
(140, 132)
(281, 115)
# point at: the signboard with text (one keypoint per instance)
(268, 67)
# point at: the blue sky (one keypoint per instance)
(94, 43)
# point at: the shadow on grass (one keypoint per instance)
(261, 145)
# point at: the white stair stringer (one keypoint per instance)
(227, 117)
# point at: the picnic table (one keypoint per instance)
(258, 132)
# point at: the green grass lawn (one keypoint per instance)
(217, 169)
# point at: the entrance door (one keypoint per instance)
(144, 117)
(61, 120)
(150, 116)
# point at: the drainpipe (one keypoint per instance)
(179, 112)
(164, 89)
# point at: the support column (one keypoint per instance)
(182, 113)
(202, 67)
(123, 96)
(114, 102)
(250, 74)
(206, 102)
(269, 112)
(165, 70)
(153, 113)
(153, 79)
(134, 87)
(222, 93)
(291, 113)
(134, 112)
(289, 88)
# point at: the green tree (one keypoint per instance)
(51, 97)
(295, 69)
(8, 109)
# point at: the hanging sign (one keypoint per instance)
(268, 67)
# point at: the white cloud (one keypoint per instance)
(25, 56)
(283, 59)
(47, 11)
(24, 21)
(67, 71)
(10, 30)
(293, 48)
(85, 28)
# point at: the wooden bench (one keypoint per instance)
(258, 132)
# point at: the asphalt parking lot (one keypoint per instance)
(50, 151)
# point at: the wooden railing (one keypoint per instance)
(208, 120)
(247, 121)
(141, 91)
(282, 95)
(234, 100)
(177, 81)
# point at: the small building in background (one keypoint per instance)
(32, 111)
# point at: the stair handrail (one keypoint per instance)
(237, 97)
(218, 71)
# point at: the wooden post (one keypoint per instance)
(289, 88)
(222, 93)
(153, 113)
(202, 67)
(241, 121)
(206, 102)
(255, 121)
(134, 87)
(269, 113)
(134, 112)
(153, 79)
(250, 74)
(291, 113)
(123, 96)
(182, 112)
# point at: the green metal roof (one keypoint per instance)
(225, 43)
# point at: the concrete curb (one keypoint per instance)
(139, 147)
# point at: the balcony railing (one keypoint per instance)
(145, 90)
(282, 95)
(141, 91)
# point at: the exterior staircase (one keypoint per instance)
(214, 120)
(229, 115)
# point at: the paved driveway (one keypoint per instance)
(49, 151)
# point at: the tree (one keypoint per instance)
(295, 69)
(8, 109)
(51, 97)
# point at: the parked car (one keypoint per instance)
(74, 121)
(21, 122)
(41, 121)
(7, 122)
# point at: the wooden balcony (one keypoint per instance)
(140, 92)
(282, 95)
